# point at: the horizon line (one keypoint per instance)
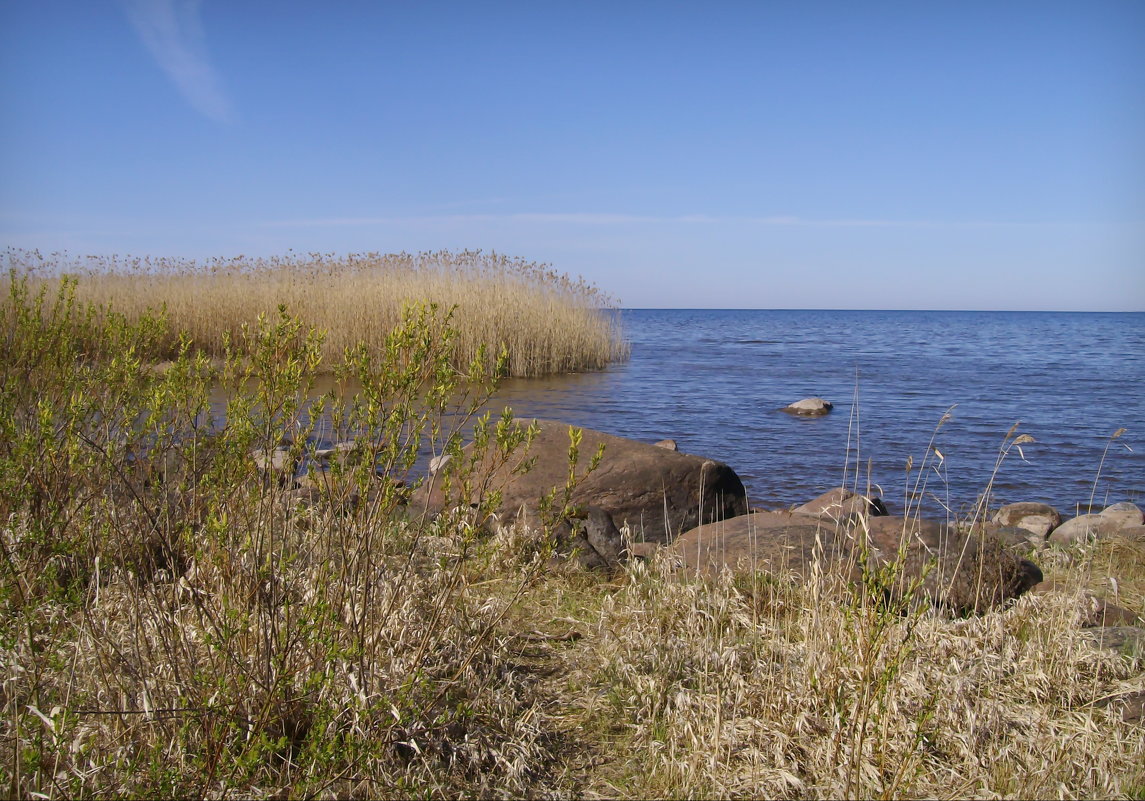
(841, 309)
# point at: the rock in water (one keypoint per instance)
(1037, 518)
(809, 407)
(840, 503)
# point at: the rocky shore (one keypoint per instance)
(645, 500)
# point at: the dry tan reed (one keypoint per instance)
(547, 321)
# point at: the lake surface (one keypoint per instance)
(714, 381)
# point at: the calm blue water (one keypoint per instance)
(713, 380)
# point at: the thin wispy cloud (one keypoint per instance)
(172, 32)
(606, 219)
(528, 217)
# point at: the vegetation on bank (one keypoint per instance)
(176, 624)
(547, 322)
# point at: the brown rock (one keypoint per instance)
(1015, 538)
(605, 538)
(658, 493)
(1129, 640)
(1132, 705)
(840, 503)
(774, 542)
(592, 541)
(667, 444)
(645, 550)
(1103, 613)
(967, 573)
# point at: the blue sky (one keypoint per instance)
(926, 155)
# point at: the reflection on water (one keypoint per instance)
(714, 380)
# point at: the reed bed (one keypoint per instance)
(175, 622)
(545, 321)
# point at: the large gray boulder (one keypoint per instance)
(657, 492)
(968, 573)
(1110, 520)
(1123, 514)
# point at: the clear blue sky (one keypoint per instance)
(766, 154)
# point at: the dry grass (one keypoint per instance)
(547, 322)
(754, 688)
(479, 676)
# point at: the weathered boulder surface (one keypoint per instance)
(657, 492)
(969, 571)
(1129, 640)
(1015, 538)
(1132, 705)
(1133, 533)
(1094, 610)
(773, 542)
(964, 572)
(840, 503)
(1081, 528)
(809, 407)
(592, 541)
(1110, 520)
(1037, 518)
(1124, 514)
